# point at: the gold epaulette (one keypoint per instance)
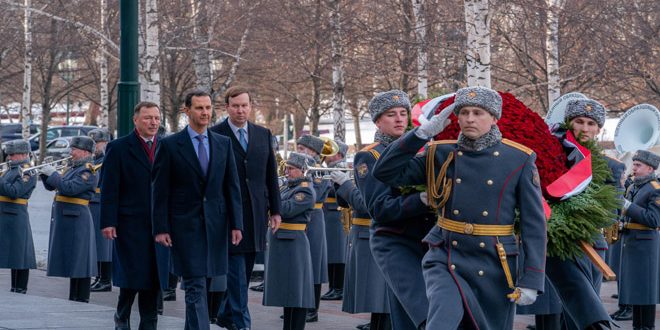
(443, 142)
(93, 168)
(370, 149)
(305, 184)
(655, 184)
(518, 146)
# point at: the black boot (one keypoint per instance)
(19, 280)
(625, 315)
(103, 282)
(312, 315)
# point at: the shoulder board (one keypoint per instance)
(655, 184)
(518, 146)
(371, 146)
(305, 184)
(443, 142)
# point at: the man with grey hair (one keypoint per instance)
(471, 269)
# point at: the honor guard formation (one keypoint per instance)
(419, 231)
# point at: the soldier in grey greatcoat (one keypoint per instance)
(365, 289)
(72, 242)
(288, 274)
(313, 146)
(400, 218)
(471, 270)
(16, 245)
(640, 270)
(334, 231)
(102, 282)
(576, 280)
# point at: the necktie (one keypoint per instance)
(149, 144)
(201, 154)
(241, 138)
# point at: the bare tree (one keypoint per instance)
(102, 59)
(422, 55)
(552, 49)
(26, 106)
(337, 73)
(477, 25)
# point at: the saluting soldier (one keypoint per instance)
(471, 269)
(72, 242)
(102, 283)
(400, 219)
(365, 289)
(313, 146)
(16, 245)
(640, 271)
(288, 274)
(334, 232)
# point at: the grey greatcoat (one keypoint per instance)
(400, 223)
(103, 245)
(72, 242)
(334, 229)
(16, 245)
(288, 275)
(640, 271)
(365, 290)
(316, 233)
(464, 277)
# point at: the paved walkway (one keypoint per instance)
(45, 307)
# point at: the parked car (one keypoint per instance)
(12, 131)
(54, 132)
(58, 148)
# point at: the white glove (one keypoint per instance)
(47, 170)
(436, 124)
(626, 204)
(339, 177)
(527, 296)
(424, 197)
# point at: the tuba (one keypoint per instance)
(557, 112)
(638, 129)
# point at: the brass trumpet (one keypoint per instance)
(59, 164)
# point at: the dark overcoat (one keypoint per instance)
(640, 270)
(464, 277)
(198, 211)
(257, 174)
(334, 229)
(316, 233)
(16, 244)
(72, 242)
(288, 275)
(139, 263)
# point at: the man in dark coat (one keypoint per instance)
(139, 265)
(197, 207)
(260, 196)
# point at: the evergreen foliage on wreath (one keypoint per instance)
(579, 218)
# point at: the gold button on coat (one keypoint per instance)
(460, 153)
(489, 182)
(481, 273)
(484, 213)
(496, 153)
(456, 212)
(452, 267)
(458, 180)
(482, 245)
(454, 243)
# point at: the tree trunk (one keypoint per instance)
(103, 71)
(315, 109)
(151, 84)
(337, 74)
(26, 106)
(422, 54)
(201, 38)
(477, 24)
(356, 127)
(552, 49)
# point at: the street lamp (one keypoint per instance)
(67, 69)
